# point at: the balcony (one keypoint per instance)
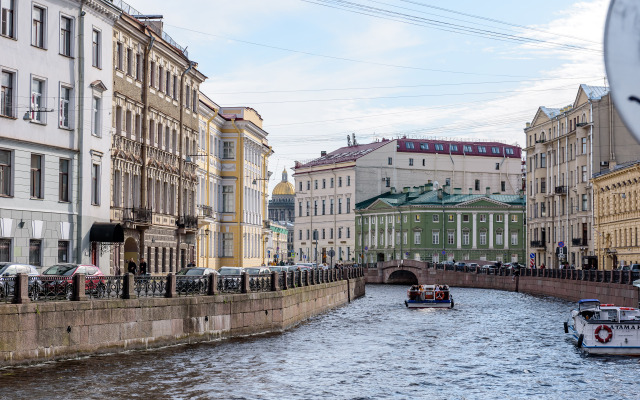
(582, 242)
(139, 216)
(205, 211)
(538, 244)
(189, 222)
(561, 190)
(266, 224)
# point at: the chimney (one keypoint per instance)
(405, 189)
(470, 190)
(323, 153)
(440, 194)
(488, 190)
(428, 187)
(528, 125)
(392, 190)
(457, 191)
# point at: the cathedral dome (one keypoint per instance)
(284, 187)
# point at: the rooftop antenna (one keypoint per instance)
(348, 141)
(355, 143)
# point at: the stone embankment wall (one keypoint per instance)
(42, 331)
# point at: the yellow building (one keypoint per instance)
(233, 179)
(616, 194)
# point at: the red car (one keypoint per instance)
(57, 280)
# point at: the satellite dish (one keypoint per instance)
(435, 184)
(621, 41)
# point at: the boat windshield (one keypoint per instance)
(585, 305)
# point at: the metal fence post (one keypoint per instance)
(21, 289)
(79, 282)
(213, 284)
(128, 286)
(171, 285)
(245, 282)
(275, 282)
(285, 281)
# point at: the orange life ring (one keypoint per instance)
(439, 295)
(600, 338)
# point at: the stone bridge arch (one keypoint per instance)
(403, 271)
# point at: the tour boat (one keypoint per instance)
(605, 328)
(429, 296)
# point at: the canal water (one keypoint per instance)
(494, 344)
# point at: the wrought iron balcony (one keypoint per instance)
(579, 242)
(140, 216)
(266, 224)
(561, 190)
(188, 222)
(205, 211)
(538, 244)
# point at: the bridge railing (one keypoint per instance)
(24, 289)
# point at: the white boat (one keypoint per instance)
(605, 328)
(429, 296)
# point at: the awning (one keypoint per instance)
(105, 232)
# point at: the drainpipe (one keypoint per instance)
(80, 64)
(208, 189)
(612, 152)
(145, 137)
(180, 160)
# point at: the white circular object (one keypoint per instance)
(622, 60)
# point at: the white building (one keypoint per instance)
(328, 187)
(54, 129)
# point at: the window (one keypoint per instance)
(584, 173)
(63, 180)
(339, 206)
(409, 145)
(63, 251)
(439, 147)
(495, 150)
(465, 238)
(119, 57)
(324, 183)
(514, 218)
(348, 232)
(300, 234)
(543, 160)
(160, 78)
(299, 209)
(508, 150)
(467, 149)
(390, 161)
(315, 207)
(477, 184)
(5, 250)
(8, 19)
(228, 201)
(417, 217)
(339, 182)
(187, 97)
(503, 186)
(331, 233)
(331, 207)
(65, 96)
(584, 145)
(315, 184)
(450, 218)
(584, 203)
(514, 238)
(35, 252)
(138, 67)
(323, 233)
(36, 176)
(38, 26)
(96, 53)
(95, 184)
(5, 173)
(424, 146)
(6, 101)
(411, 162)
(435, 218)
(483, 217)
(451, 237)
(324, 203)
(483, 237)
(435, 237)
(152, 74)
(387, 182)
(497, 166)
(453, 147)
(227, 245)
(95, 117)
(66, 36)
(465, 217)
(482, 149)
(37, 100)
(130, 62)
(228, 152)
(498, 217)
(348, 180)
(499, 237)
(167, 84)
(348, 206)
(417, 237)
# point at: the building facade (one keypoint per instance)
(616, 199)
(277, 241)
(54, 145)
(565, 147)
(421, 223)
(155, 128)
(329, 187)
(282, 210)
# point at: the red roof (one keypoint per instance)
(483, 149)
(344, 154)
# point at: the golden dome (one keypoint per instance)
(284, 187)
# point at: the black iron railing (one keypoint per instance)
(138, 215)
(579, 242)
(205, 211)
(188, 222)
(537, 243)
(561, 190)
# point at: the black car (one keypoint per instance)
(193, 279)
(8, 271)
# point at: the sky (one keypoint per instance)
(319, 70)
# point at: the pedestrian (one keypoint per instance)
(143, 266)
(132, 266)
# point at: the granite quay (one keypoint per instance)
(51, 319)
(615, 287)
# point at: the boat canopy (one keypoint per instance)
(588, 301)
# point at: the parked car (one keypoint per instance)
(278, 268)
(257, 270)
(630, 267)
(193, 279)
(231, 271)
(58, 279)
(460, 266)
(473, 267)
(9, 269)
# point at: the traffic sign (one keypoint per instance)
(331, 253)
(366, 247)
(621, 43)
(444, 252)
(560, 244)
(532, 256)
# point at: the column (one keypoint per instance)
(506, 233)
(474, 231)
(459, 230)
(490, 231)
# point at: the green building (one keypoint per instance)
(423, 223)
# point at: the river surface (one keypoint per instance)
(494, 344)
